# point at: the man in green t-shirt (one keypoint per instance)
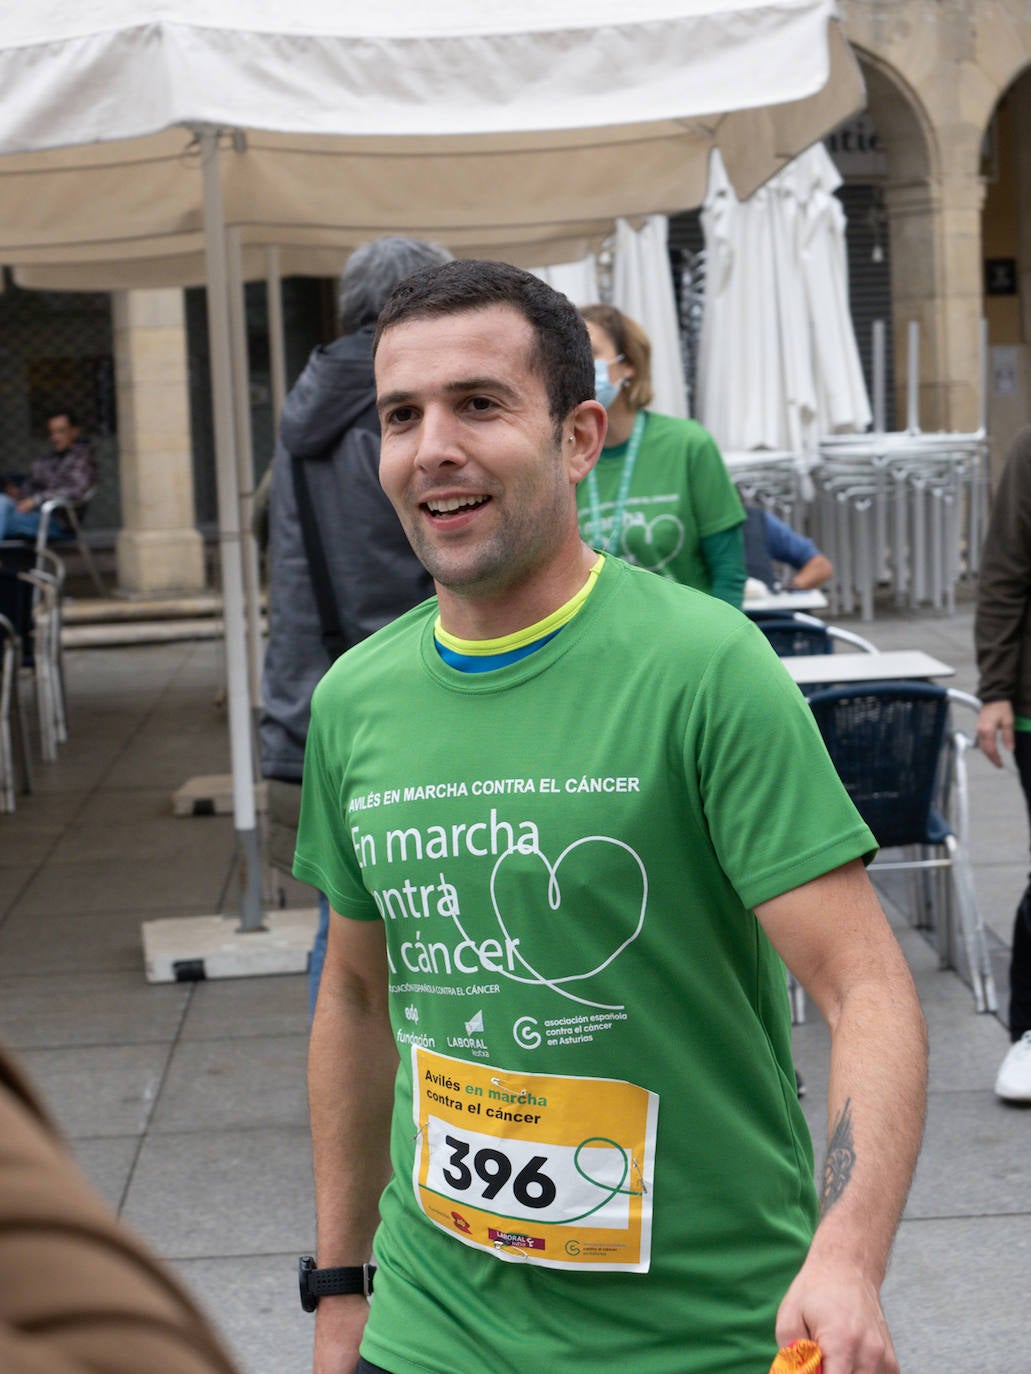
(570, 817)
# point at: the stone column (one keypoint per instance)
(159, 549)
(936, 280)
(962, 294)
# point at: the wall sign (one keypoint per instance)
(1000, 276)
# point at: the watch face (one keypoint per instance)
(305, 1267)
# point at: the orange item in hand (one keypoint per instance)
(800, 1357)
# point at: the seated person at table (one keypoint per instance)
(768, 541)
(66, 471)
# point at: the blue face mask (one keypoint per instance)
(605, 390)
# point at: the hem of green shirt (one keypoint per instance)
(1022, 723)
(784, 877)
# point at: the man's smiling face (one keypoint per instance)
(471, 457)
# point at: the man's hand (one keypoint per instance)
(836, 1306)
(27, 503)
(339, 1323)
(996, 718)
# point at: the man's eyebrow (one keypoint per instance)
(461, 386)
(464, 385)
(393, 398)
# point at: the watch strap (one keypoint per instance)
(325, 1283)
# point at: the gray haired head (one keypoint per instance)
(372, 272)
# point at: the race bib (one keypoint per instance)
(535, 1168)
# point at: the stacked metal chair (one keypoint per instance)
(773, 482)
(908, 509)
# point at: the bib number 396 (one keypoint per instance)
(493, 1169)
(543, 1169)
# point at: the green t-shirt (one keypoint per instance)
(605, 1165)
(681, 492)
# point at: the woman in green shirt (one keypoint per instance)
(660, 496)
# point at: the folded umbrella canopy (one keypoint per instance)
(778, 366)
(133, 134)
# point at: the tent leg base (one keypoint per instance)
(184, 949)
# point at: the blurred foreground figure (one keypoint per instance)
(79, 1293)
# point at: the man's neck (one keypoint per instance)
(492, 616)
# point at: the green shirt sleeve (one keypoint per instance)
(717, 505)
(325, 856)
(776, 810)
(724, 555)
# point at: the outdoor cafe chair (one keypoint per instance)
(12, 718)
(48, 580)
(794, 635)
(904, 767)
(29, 602)
(71, 513)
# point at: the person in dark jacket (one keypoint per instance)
(328, 454)
(1002, 636)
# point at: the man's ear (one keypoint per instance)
(583, 434)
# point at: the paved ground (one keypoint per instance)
(186, 1103)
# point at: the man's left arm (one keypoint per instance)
(833, 935)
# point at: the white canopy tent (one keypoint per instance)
(134, 135)
(779, 366)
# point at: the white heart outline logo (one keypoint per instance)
(648, 526)
(538, 979)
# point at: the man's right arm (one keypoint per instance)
(352, 1063)
(994, 723)
(814, 573)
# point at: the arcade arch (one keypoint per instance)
(1006, 236)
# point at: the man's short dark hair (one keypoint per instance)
(63, 413)
(561, 353)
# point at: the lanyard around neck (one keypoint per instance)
(625, 478)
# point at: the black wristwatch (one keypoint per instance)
(324, 1283)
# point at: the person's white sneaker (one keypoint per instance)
(1014, 1081)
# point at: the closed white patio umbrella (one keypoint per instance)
(779, 365)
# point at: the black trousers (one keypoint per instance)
(363, 1367)
(1020, 961)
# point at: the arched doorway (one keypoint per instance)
(1006, 246)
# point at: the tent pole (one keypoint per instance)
(241, 757)
(244, 459)
(276, 333)
(913, 378)
(879, 376)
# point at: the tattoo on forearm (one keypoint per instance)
(841, 1158)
